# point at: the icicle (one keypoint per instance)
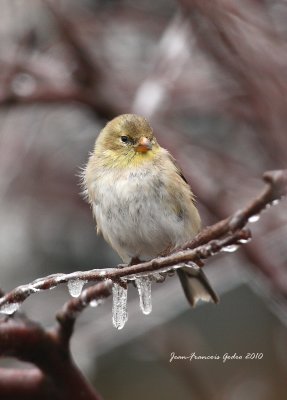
(10, 308)
(144, 289)
(75, 287)
(120, 315)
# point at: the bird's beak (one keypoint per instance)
(144, 145)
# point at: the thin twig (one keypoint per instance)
(87, 72)
(68, 314)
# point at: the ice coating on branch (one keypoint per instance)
(120, 314)
(34, 289)
(144, 288)
(254, 218)
(75, 287)
(231, 248)
(275, 202)
(158, 277)
(243, 241)
(59, 278)
(167, 269)
(10, 308)
(96, 302)
(131, 278)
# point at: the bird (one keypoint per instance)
(142, 204)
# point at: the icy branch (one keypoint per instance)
(90, 296)
(213, 239)
(275, 189)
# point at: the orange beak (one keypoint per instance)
(144, 145)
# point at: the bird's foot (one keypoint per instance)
(134, 261)
(123, 265)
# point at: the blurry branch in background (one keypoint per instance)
(87, 72)
(47, 87)
(56, 376)
(228, 32)
(48, 349)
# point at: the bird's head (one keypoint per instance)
(126, 140)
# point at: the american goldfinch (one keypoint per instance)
(142, 204)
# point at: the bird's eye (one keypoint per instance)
(124, 139)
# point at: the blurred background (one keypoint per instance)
(211, 78)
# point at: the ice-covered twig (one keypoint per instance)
(275, 189)
(68, 314)
(210, 241)
(12, 300)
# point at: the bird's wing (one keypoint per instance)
(179, 172)
(180, 199)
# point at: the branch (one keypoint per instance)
(276, 188)
(88, 72)
(30, 342)
(67, 316)
(212, 240)
(49, 350)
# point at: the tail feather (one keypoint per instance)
(196, 286)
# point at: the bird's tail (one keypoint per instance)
(196, 286)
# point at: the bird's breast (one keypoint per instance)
(132, 211)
